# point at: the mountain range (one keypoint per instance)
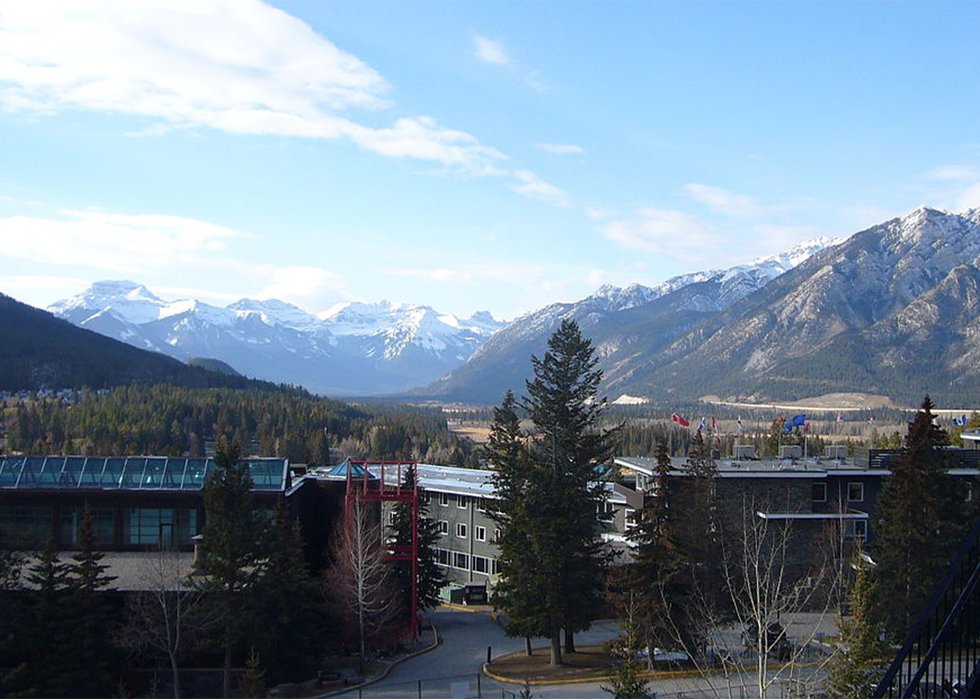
(353, 349)
(893, 310)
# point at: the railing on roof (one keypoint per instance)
(127, 473)
(941, 655)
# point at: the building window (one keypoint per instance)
(103, 524)
(443, 526)
(461, 560)
(442, 557)
(481, 504)
(462, 502)
(481, 564)
(855, 492)
(461, 530)
(444, 499)
(818, 492)
(392, 518)
(29, 526)
(857, 529)
(165, 527)
(630, 519)
(496, 535)
(481, 533)
(494, 566)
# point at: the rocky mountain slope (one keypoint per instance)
(625, 325)
(354, 349)
(894, 310)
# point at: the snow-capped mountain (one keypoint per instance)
(893, 310)
(623, 323)
(356, 348)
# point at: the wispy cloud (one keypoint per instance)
(954, 173)
(561, 148)
(238, 66)
(530, 185)
(970, 198)
(490, 51)
(724, 201)
(673, 233)
(120, 243)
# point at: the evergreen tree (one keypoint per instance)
(652, 578)
(516, 592)
(558, 518)
(89, 670)
(287, 610)
(921, 518)
(47, 637)
(699, 582)
(232, 551)
(430, 575)
(857, 662)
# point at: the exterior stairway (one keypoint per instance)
(941, 655)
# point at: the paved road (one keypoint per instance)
(452, 669)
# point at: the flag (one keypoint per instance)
(840, 417)
(797, 420)
(806, 426)
(738, 421)
(701, 424)
(961, 421)
(714, 425)
(679, 420)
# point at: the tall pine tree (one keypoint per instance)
(652, 581)
(232, 549)
(430, 575)
(515, 593)
(921, 520)
(288, 613)
(565, 560)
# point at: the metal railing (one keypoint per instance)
(941, 655)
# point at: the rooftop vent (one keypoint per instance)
(790, 451)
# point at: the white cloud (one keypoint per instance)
(530, 185)
(122, 243)
(305, 286)
(597, 213)
(954, 173)
(723, 201)
(490, 51)
(970, 198)
(561, 148)
(238, 66)
(672, 233)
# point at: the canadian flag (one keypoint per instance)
(679, 420)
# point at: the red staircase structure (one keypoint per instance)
(384, 481)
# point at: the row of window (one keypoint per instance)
(32, 526)
(462, 530)
(461, 501)
(461, 561)
(854, 492)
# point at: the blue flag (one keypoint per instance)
(797, 421)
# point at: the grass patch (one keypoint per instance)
(588, 662)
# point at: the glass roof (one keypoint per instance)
(127, 473)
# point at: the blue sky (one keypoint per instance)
(467, 156)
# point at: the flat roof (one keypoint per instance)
(156, 473)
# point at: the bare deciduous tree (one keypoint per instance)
(166, 614)
(359, 581)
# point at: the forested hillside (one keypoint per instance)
(168, 420)
(41, 351)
